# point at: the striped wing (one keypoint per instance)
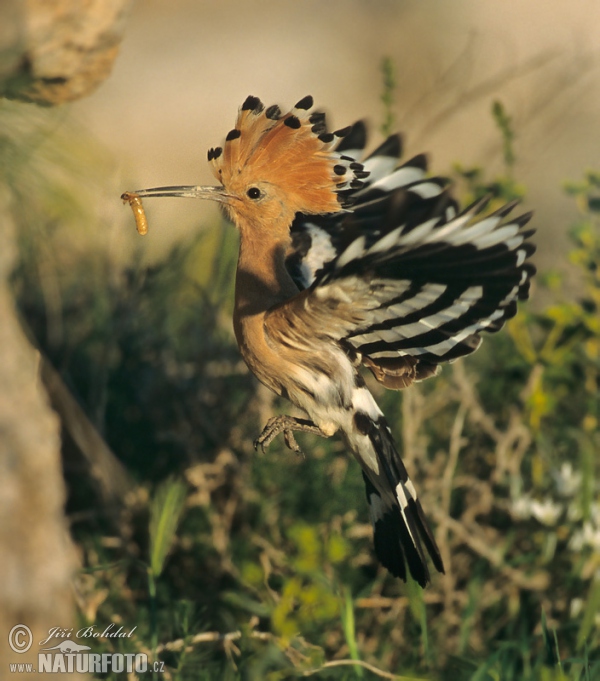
(442, 284)
(405, 280)
(408, 298)
(317, 240)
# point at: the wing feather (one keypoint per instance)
(424, 294)
(405, 281)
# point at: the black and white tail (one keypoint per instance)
(402, 536)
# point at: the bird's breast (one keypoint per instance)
(317, 376)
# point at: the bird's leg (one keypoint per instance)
(286, 425)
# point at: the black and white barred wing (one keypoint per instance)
(420, 294)
(373, 199)
(317, 240)
(423, 280)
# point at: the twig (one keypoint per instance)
(108, 473)
(380, 602)
(469, 397)
(212, 637)
(365, 665)
(481, 546)
(228, 639)
(483, 89)
(456, 443)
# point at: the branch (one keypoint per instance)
(217, 637)
(211, 637)
(365, 665)
(483, 89)
(480, 545)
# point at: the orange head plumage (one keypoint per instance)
(273, 165)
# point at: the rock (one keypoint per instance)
(55, 51)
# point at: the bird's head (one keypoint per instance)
(273, 165)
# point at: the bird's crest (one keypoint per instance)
(293, 151)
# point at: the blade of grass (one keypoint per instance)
(165, 513)
(348, 624)
(550, 644)
(166, 509)
(591, 610)
(419, 612)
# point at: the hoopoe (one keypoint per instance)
(346, 262)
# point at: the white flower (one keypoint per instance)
(546, 512)
(576, 607)
(589, 536)
(576, 541)
(568, 481)
(521, 507)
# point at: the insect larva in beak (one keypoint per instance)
(141, 222)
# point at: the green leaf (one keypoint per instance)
(504, 123)
(244, 602)
(591, 610)
(166, 510)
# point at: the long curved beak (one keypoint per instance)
(185, 192)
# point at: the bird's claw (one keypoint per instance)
(290, 441)
(286, 425)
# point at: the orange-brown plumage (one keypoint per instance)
(291, 164)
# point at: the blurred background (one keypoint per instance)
(184, 69)
(149, 497)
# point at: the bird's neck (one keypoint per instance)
(262, 279)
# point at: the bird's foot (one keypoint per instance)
(286, 425)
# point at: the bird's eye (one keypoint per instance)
(254, 193)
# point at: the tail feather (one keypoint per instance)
(400, 527)
(393, 541)
(427, 536)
